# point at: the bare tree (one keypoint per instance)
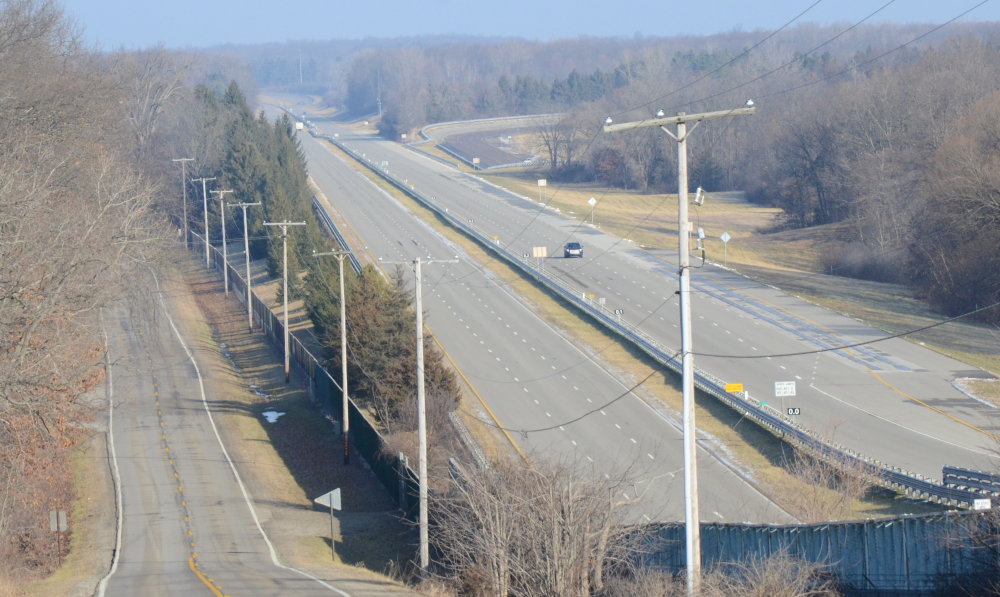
(827, 490)
(548, 529)
(74, 221)
(151, 79)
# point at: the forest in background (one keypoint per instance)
(883, 132)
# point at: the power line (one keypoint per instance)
(880, 56)
(574, 420)
(854, 345)
(740, 56)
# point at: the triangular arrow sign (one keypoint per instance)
(330, 500)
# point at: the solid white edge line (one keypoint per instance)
(222, 446)
(115, 473)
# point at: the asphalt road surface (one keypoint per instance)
(187, 525)
(554, 398)
(892, 400)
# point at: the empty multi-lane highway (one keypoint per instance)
(892, 400)
(531, 375)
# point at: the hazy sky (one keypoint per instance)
(110, 24)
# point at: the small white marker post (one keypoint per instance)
(331, 499)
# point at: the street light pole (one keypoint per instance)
(284, 276)
(204, 201)
(184, 189)
(246, 253)
(692, 522)
(346, 425)
(225, 253)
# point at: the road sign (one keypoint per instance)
(981, 504)
(792, 411)
(57, 521)
(725, 237)
(330, 500)
(784, 388)
(734, 387)
(539, 252)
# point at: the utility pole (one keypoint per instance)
(284, 275)
(246, 253)
(425, 556)
(225, 253)
(341, 255)
(184, 189)
(204, 201)
(692, 521)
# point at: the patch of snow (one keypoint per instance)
(271, 415)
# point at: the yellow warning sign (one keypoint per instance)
(734, 387)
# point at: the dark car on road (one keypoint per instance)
(573, 250)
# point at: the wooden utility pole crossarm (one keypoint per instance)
(610, 127)
(692, 520)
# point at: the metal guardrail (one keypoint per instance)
(897, 479)
(335, 233)
(963, 477)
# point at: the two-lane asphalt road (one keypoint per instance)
(891, 400)
(187, 527)
(554, 397)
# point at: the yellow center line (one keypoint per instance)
(208, 581)
(934, 408)
(481, 401)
